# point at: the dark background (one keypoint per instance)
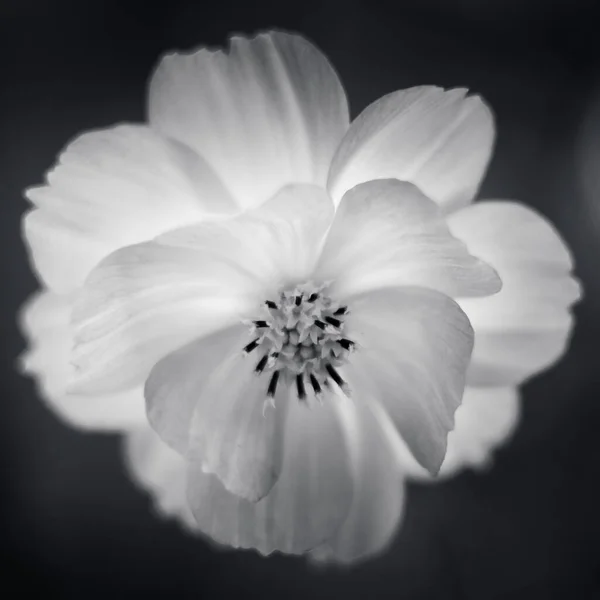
(73, 526)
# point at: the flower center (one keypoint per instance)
(301, 342)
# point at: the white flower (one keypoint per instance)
(298, 361)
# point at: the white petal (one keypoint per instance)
(112, 188)
(144, 301)
(159, 470)
(277, 243)
(387, 233)
(45, 322)
(525, 328)
(378, 498)
(414, 346)
(303, 214)
(173, 387)
(234, 434)
(439, 140)
(206, 399)
(369, 527)
(268, 112)
(484, 421)
(307, 504)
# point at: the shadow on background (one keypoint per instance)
(73, 525)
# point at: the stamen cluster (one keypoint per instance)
(301, 339)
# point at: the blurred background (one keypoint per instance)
(72, 524)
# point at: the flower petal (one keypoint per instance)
(526, 327)
(307, 504)
(45, 322)
(234, 434)
(269, 112)
(206, 399)
(144, 301)
(161, 471)
(387, 233)
(439, 140)
(304, 214)
(378, 498)
(112, 188)
(174, 384)
(414, 347)
(484, 421)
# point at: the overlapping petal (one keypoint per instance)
(159, 470)
(145, 301)
(387, 233)
(268, 112)
(414, 347)
(174, 385)
(112, 188)
(378, 498)
(525, 328)
(310, 500)
(486, 419)
(439, 140)
(45, 322)
(207, 400)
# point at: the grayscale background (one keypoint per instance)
(73, 526)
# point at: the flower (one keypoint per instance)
(301, 300)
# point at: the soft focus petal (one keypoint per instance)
(268, 112)
(370, 525)
(45, 323)
(525, 328)
(387, 233)
(439, 140)
(112, 188)
(206, 399)
(161, 471)
(378, 498)
(275, 244)
(147, 300)
(174, 384)
(307, 504)
(303, 214)
(414, 346)
(483, 422)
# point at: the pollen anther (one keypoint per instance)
(300, 337)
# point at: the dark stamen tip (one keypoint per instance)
(251, 346)
(319, 324)
(271, 304)
(299, 300)
(334, 375)
(346, 344)
(273, 384)
(333, 321)
(261, 324)
(313, 297)
(315, 384)
(341, 311)
(262, 363)
(300, 386)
